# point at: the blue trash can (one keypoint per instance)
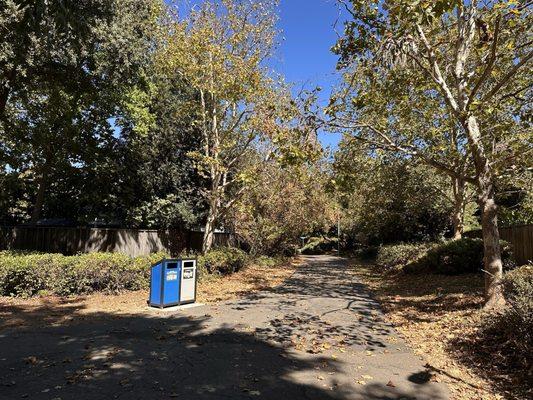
(172, 283)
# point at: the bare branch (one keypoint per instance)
(490, 63)
(437, 74)
(508, 76)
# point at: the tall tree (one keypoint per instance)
(62, 73)
(474, 57)
(220, 50)
(398, 114)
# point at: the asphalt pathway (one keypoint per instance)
(318, 336)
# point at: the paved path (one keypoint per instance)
(319, 336)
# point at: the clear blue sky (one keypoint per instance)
(305, 57)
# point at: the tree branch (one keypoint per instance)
(490, 64)
(389, 144)
(508, 76)
(437, 74)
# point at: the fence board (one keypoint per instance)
(520, 237)
(133, 242)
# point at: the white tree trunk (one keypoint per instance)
(459, 202)
(209, 233)
(493, 266)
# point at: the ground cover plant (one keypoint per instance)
(453, 257)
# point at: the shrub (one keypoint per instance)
(319, 245)
(396, 255)
(456, 257)
(367, 253)
(30, 274)
(514, 326)
(223, 260)
(518, 292)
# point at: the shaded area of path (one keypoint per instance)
(318, 336)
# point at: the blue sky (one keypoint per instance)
(305, 57)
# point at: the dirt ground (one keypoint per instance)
(439, 317)
(54, 310)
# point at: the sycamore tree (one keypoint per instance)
(392, 114)
(220, 49)
(469, 62)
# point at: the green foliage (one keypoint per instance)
(319, 245)
(222, 260)
(28, 274)
(387, 199)
(266, 261)
(283, 205)
(456, 257)
(366, 253)
(65, 69)
(399, 255)
(452, 257)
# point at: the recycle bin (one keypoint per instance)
(172, 282)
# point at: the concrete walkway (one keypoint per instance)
(319, 336)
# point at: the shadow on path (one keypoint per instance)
(211, 353)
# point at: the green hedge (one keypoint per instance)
(457, 257)
(448, 258)
(401, 254)
(28, 274)
(223, 260)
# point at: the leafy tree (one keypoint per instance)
(219, 49)
(470, 56)
(63, 69)
(159, 181)
(284, 204)
(386, 198)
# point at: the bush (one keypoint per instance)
(514, 326)
(30, 274)
(456, 257)
(518, 292)
(366, 253)
(319, 245)
(223, 260)
(397, 255)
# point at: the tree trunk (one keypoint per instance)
(489, 219)
(458, 207)
(4, 94)
(492, 252)
(209, 232)
(39, 200)
(5, 91)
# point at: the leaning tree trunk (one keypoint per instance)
(458, 207)
(492, 260)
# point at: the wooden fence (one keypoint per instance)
(133, 242)
(520, 237)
